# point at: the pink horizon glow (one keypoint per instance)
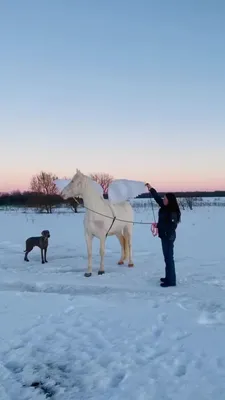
(159, 184)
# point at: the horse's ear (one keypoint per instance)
(78, 171)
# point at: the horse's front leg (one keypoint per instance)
(102, 255)
(89, 238)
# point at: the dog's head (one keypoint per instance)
(45, 234)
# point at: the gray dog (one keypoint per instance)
(38, 241)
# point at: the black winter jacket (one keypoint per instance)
(167, 222)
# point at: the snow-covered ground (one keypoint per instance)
(119, 336)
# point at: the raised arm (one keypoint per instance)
(155, 195)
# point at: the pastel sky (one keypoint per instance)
(135, 88)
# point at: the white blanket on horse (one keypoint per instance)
(119, 190)
(124, 189)
(62, 183)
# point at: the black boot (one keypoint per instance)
(166, 284)
(162, 280)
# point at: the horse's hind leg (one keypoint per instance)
(128, 236)
(122, 242)
(102, 255)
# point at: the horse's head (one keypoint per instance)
(75, 187)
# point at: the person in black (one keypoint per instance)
(169, 217)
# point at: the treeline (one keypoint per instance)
(35, 200)
(44, 195)
(195, 194)
(40, 201)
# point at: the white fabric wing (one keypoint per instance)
(124, 189)
(98, 187)
(61, 183)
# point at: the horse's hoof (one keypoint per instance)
(120, 262)
(87, 274)
(130, 265)
(101, 272)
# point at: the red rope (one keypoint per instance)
(154, 229)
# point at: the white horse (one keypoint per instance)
(99, 219)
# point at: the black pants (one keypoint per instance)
(167, 247)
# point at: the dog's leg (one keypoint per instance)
(45, 253)
(27, 251)
(42, 256)
(26, 254)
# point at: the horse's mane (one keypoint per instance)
(96, 188)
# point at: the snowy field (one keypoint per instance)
(119, 336)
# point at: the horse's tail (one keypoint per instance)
(125, 247)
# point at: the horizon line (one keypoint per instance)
(22, 191)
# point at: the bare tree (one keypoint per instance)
(43, 184)
(73, 202)
(186, 202)
(181, 203)
(190, 202)
(103, 179)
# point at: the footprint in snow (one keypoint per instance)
(212, 314)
